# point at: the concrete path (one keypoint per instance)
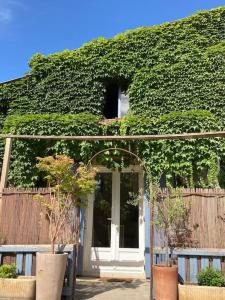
(98, 289)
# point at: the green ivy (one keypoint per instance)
(169, 71)
(194, 161)
(171, 67)
(196, 81)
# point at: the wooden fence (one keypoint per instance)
(207, 206)
(23, 223)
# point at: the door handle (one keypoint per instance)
(109, 219)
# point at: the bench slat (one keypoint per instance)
(193, 269)
(181, 268)
(28, 265)
(204, 263)
(217, 263)
(19, 264)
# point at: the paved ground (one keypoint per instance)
(97, 289)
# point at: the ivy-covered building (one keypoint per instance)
(152, 80)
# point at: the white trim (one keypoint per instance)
(114, 216)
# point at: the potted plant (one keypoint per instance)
(11, 287)
(171, 215)
(67, 186)
(210, 286)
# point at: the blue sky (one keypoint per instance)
(48, 26)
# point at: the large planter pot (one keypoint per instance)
(165, 282)
(190, 292)
(22, 288)
(50, 272)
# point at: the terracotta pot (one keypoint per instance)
(189, 292)
(165, 282)
(22, 288)
(50, 272)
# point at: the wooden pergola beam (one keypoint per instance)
(179, 136)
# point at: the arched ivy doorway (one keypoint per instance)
(114, 238)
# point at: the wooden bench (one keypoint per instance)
(24, 257)
(192, 260)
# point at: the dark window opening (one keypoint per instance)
(111, 101)
(179, 181)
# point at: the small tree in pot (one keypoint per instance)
(67, 186)
(171, 216)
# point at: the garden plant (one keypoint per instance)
(172, 216)
(8, 271)
(210, 277)
(68, 185)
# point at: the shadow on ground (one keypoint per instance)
(99, 290)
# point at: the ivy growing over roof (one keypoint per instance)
(170, 67)
(168, 70)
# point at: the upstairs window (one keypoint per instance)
(116, 102)
(123, 104)
(111, 101)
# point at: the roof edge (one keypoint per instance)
(12, 80)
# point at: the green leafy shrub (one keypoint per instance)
(210, 277)
(8, 271)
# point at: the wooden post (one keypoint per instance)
(5, 169)
(5, 164)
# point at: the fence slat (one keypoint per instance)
(204, 262)
(19, 263)
(217, 263)
(193, 269)
(181, 269)
(28, 265)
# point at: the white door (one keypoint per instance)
(114, 235)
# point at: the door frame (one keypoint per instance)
(130, 261)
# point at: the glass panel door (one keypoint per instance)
(115, 228)
(129, 213)
(102, 211)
